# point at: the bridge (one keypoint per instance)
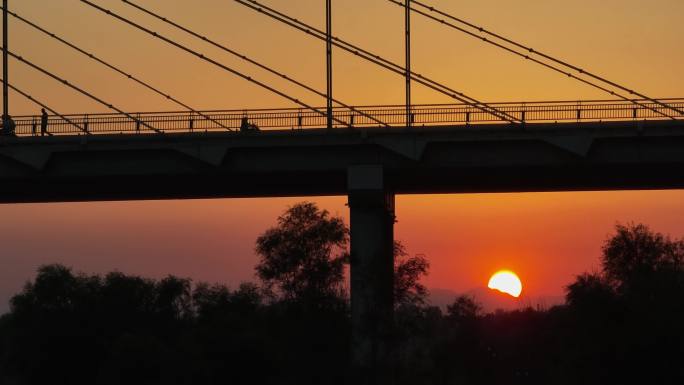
(369, 153)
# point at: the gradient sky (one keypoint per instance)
(547, 238)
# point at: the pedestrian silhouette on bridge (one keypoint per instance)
(245, 125)
(8, 125)
(43, 122)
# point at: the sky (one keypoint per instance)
(547, 238)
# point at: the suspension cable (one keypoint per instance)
(553, 68)
(248, 59)
(31, 98)
(80, 90)
(112, 67)
(546, 56)
(376, 59)
(532, 51)
(208, 59)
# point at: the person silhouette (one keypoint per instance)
(8, 125)
(43, 121)
(244, 124)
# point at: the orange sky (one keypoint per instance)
(545, 238)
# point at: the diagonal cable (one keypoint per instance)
(248, 59)
(31, 98)
(80, 90)
(376, 59)
(112, 67)
(547, 56)
(210, 60)
(530, 51)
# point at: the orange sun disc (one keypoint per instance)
(507, 282)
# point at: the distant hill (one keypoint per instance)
(492, 300)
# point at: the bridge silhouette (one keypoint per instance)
(369, 153)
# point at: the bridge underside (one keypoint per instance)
(493, 158)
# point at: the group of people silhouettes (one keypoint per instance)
(9, 125)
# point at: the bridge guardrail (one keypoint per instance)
(392, 115)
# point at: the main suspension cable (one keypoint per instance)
(532, 51)
(80, 90)
(248, 59)
(114, 68)
(208, 59)
(31, 98)
(376, 59)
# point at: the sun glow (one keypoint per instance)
(507, 282)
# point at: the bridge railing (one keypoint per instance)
(392, 115)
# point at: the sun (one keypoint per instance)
(507, 282)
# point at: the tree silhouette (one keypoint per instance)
(407, 274)
(635, 256)
(590, 290)
(626, 319)
(463, 308)
(303, 256)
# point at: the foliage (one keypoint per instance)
(627, 317)
(67, 328)
(621, 324)
(62, 318)
(636, 255)
(464, 308)
(407, 274)
(590, 290)
(303, 256)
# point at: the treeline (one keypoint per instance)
(622, 324)
(67, 328)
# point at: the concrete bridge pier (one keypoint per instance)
(372, 274)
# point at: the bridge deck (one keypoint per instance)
(478, 158)
(363, 116)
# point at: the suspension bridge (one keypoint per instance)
(626, 141)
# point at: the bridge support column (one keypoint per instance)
(372, 275)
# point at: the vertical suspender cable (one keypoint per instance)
(328, 55)
(528, 55)
(241, 56)
(407, 23)
(5, 101)
(374, 58)
(206, 58)
(116, 69)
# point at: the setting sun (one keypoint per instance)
(506, 282)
